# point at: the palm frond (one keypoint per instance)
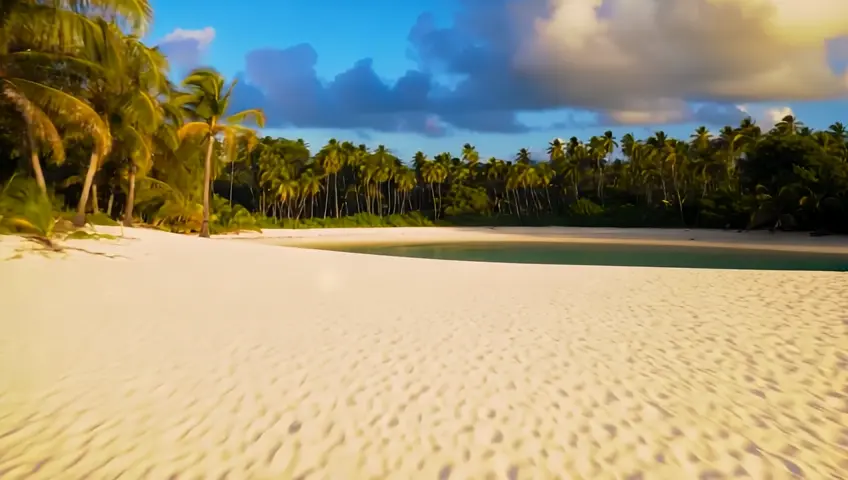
(37, 121)
(256, 114)
(73, 110)
(193, 128)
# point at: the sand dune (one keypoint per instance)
(231, 359)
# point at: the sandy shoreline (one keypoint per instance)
(782, 241)
(199, 358)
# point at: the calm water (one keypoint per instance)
(605, 254)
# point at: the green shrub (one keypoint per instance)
(585, 207)
(360, 220)
(25, 209)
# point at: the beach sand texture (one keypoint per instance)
(193, 358)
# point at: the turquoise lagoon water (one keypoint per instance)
(611, 254)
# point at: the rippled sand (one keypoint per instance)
(191, 358)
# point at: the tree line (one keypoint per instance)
(91, 123)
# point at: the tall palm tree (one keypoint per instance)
(129, 97)
(330, 157)
(607, 146)
(53, 33)
(43, 105)
(207, 101)
(523, 156)
(556, 150)
(788, 125)
(471, 158)
(405, 184)
(310, 185)
(701, 138)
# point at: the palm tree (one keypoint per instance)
(310, 185)
(405, 184)
(789, 125)
(471, 158)
(41, 105)
(523, 157)
(51, 34)
(839, 131)
(383, 163)
(840, 134)
(607, 146)
(207, 100)
(129, 98)
(556, 150)
(701, 138)
(331, 157)
(545, 174)
(434, 172)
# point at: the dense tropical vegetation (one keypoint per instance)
(91, 128)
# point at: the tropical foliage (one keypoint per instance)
(90, 123)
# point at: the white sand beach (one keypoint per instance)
(181, 357)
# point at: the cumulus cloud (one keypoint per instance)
(185, 48)
(767, 116)
(625, 61)
(655, 52)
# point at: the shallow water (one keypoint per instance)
(611, 254)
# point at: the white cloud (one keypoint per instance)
(185, 48)
(203, 37)
(766, 116)
(643, 60)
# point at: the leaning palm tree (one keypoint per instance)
(206, 101)
(128, 97)
(31, 44)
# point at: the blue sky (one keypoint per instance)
(483, 73)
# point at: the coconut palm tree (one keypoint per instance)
(51, 34)
(129, 97)
(788, 125)
(523, 156)
(207, 100)
(471, 158)
(606, 145)
(701, 138)
(42, 106)
(330, 157)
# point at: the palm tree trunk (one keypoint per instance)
(440, 194)
(356, 194)
(435, 208)
(95, 204)
(207, 186)
(336, 192)
(36, 163)
(232, 173)
(345, 202)
(110, 203)
(128, 211)
(677, 192)
(300, 208)
(79, 218)
(327, 196)
(517, 202)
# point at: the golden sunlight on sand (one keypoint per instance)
(200, 358)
